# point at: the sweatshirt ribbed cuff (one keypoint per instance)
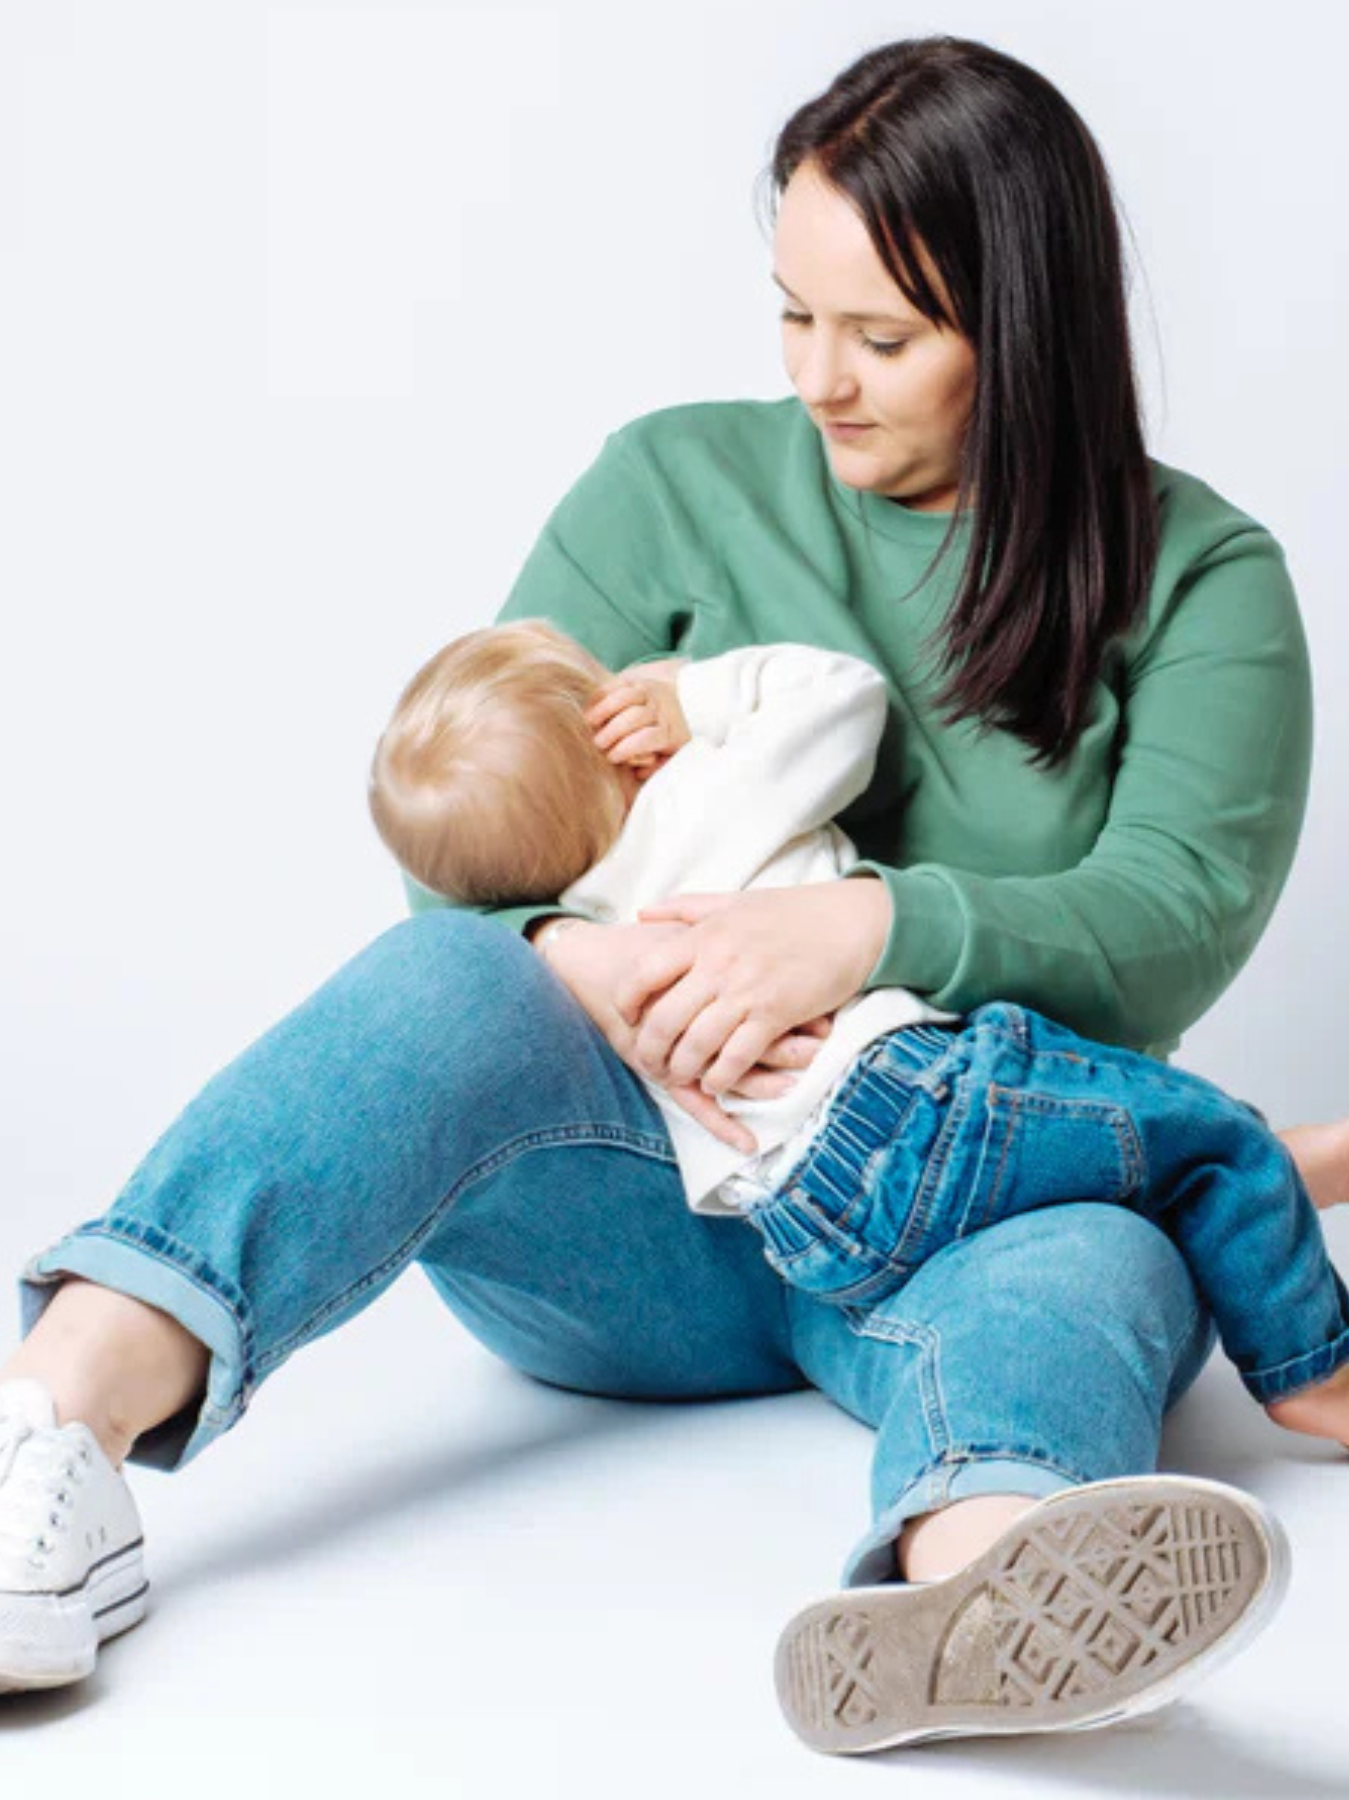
(514, 918)
(926, 938)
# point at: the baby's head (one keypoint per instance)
(486, 784)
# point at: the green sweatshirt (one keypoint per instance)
(1119, 893)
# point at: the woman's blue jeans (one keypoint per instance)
(443, 1100)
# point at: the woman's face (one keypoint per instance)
(914, 401)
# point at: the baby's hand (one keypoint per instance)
(638, 719)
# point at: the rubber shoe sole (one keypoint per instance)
(49, 1640)
(1100, 1603)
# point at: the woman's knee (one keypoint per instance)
(451, 931)
(448, 952)
(426, 988)
(1081, 1253)
(1109, 1276)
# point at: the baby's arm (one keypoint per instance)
(782, 737)
(638, 719)
(791, 730)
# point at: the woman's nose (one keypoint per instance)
(821, 374)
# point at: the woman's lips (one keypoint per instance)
(845, 431)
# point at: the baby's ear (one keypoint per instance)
(602, 691)
(648, 766)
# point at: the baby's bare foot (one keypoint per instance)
(1321, 1153)
(1319, 1411)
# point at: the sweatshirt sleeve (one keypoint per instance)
(1138, 940)
(606, 569)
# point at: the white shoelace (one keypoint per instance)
(42, 1480)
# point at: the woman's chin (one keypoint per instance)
(859, 468)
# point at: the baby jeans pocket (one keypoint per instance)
(1043, 1149)
(808, 1250)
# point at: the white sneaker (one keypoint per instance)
(71, 1571)
(1101, 1602)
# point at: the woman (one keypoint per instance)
(1041, 828)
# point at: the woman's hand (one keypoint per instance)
(594, 961)
(706, 1005)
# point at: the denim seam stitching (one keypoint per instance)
(1018, 1103)
(841, 1246)
(1321, 1361)
(926, 1339)
(933, 1482)
(952, 1461)
(1008, 1135)
(944, 1467)
(839, 1242)
(1014, 1029)
(917, 1222)
(639, 1143)
(968, 1222)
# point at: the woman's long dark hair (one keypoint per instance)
(951, 145)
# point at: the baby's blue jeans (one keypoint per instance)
(938, 1132)
(443, 1100)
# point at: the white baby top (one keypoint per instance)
(783, 737)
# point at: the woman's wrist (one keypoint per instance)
(545, 932)
(875, 911)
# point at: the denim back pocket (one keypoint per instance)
(1039, 1149)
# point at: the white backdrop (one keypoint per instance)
(308, 316)
(310, 313)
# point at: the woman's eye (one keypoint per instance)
(881, 349)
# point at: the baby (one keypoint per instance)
(517, 769)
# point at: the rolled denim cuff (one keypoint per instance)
(1298, 1372)
(872, 1562)
(146, 1263)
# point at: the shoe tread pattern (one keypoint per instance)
(1088, 1602)
(1080, 1616)
(830, 1674)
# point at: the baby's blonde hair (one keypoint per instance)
(486, 784)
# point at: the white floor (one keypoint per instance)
(414, 1572)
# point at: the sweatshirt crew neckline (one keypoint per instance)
(891, 517)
